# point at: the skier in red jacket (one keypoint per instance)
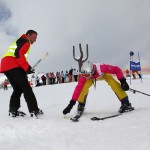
(5, 85)
(15, 66)
(90, 73)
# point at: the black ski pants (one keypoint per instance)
(18, 80)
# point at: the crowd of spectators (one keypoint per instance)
(57, 78)
(50, 78)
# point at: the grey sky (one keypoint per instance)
(111, 28)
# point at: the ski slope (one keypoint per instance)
(130, 131)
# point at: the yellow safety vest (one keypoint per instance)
(11, 50)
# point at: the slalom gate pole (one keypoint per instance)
(134, 91)
(131, 59)
(140, 67)
(130, 70)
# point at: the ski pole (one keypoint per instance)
(37, 63)
(134, 91)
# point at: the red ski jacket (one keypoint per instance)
(18, 58)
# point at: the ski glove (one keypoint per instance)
(69, 107)
(30, 70)
(124, 84)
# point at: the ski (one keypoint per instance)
(107, 117)
(37, 63)
(111, 116)
(77, 117)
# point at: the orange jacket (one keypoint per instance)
(10, 62)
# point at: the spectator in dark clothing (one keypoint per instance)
(43, 77)
(62, 77)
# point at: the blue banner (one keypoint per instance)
(135, 66)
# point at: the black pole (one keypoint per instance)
(134, 91)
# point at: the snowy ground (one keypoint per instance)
(130, 131)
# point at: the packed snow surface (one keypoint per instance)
(130, 131)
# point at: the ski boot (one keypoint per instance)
(80, 108)
(37, 113)
(16, 113)
(125, 107)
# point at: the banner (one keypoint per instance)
(135, 66)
